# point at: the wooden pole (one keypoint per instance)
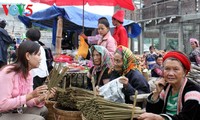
(59, 35)
(83, 16)
(134, 104)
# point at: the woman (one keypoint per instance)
(40, 73)
(119, 33)
(175, 96)
(157, 69)
(100, 70)
(195, 54)
(107, 40)
(16, 84)
(125, 64)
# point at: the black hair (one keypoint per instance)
(159, 56)
(2, 24)
(105, 22)
(21, 63)
(33, 34)
(196, 43)
(151, 47)
(117, 20)
(102, 18)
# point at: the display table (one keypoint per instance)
(141, 98)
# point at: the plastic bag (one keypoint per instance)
(113, 91)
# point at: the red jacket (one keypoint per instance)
(120, 35)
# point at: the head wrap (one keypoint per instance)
(129, 60)
(193, 40)
(119, 15)
(105, 61)
(179, 56)
(105, 58)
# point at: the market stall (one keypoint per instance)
(71, 21)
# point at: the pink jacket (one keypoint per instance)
(14, 89)
(109, 43)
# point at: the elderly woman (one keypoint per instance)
(125, 64)
(175, 96)
(100, 70)
(194, 56)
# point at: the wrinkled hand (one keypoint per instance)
(83, 35)
(160, 84)
(39, 91)
(97, 90)
(150, 116)
(123, 80)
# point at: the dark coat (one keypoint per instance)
(5, 41)
(105, 75)
(136, 82)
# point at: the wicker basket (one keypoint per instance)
(66, 115)
(49, 104)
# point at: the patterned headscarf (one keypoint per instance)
(105, 58)
(129, 60)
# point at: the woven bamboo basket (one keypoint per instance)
(66, 115)
(49, 104)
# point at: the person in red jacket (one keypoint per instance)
(119, 34)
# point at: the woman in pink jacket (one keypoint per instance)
(106, 40)
(16, 84)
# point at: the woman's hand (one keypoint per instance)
(83, 35)
(51, 93)
(123, 80)
(160, 84)
(39, 91)
(97, 90)
(150, 116)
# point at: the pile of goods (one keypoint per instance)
(63, 58)
(95, 108)
(69, 98)
(100, 109)
(74, 67)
